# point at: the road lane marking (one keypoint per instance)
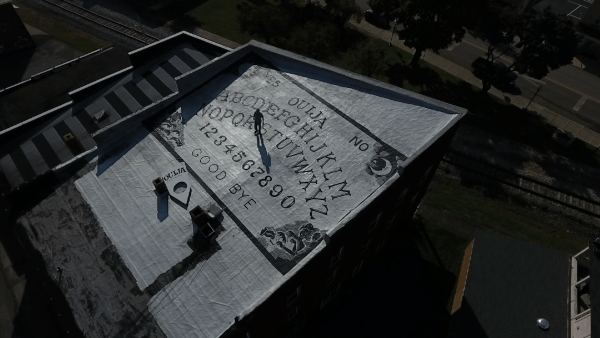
(577, 5)
(572, 89)
(580, 103)
(454, 45)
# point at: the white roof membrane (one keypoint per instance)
(324, 149)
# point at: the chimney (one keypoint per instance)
(159, 185)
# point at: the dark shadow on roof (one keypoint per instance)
(511, 284)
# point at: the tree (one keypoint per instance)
(265, 20)
(388, 8)
(368, 59)
(315, 39)
(499, 28)
(546, 42)
(343, 10)
(434, 24)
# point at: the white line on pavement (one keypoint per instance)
(575, 8)
(580, 103)
(578, 5)
(452, 46)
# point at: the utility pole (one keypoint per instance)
(393, 30)
(534, 95)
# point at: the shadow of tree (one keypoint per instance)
(425, 79)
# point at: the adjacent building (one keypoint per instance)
(508, 287)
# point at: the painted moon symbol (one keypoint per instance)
(386, 169)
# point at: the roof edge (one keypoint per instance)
(425, 100)
(149, 52)
(84, 92)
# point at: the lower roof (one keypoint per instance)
(511, 284)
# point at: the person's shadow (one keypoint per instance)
(264, 155)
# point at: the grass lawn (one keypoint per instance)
(499, 216)
(216, 16)
(220, 17)
(52, 26)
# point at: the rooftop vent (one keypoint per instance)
(72, 143)
(101, 115)
(159, 185)
(68, 138)
(200, 217)
(543, 324)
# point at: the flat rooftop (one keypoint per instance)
(512, 283)
(332, 141)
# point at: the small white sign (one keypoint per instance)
(177, 180)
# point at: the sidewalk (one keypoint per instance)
(557, 120)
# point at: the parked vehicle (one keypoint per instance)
(496, 72)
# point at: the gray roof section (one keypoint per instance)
(510, 285)
(595, 291)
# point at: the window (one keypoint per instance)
(374, 223)
(357, 268)
(292, 313)
(293, 296)
(331, 277)
(336, 258)
(330, 295)
(365, 247)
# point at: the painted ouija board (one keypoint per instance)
(285, 187)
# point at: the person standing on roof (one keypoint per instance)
(259, 121)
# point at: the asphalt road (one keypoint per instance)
(569, 91)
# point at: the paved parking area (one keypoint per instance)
(573, 8)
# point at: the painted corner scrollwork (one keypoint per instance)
(171, 129)
(384, 163)
(291, 242)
